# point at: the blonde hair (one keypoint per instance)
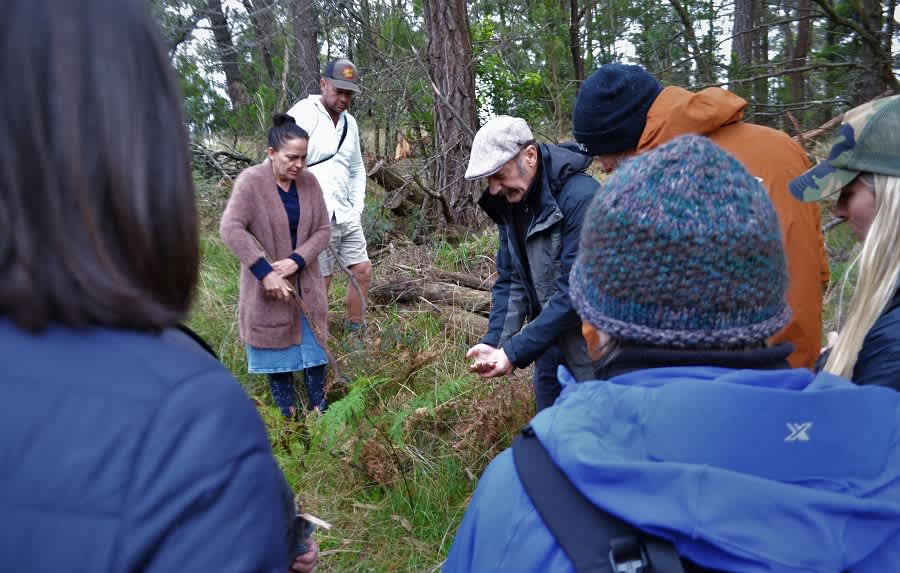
(879, 274)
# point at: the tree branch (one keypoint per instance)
(784, 72)
(873, 42)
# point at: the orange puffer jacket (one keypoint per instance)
(775, 159)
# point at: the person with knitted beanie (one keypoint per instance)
(697, 447)
(623, 110)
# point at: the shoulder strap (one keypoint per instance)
(594, 540)
(340, 143)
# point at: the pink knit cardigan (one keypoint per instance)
(255, 225)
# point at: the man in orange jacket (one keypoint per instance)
(622, 110)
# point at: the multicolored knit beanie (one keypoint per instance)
(682, 249)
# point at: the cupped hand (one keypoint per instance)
(489, 362)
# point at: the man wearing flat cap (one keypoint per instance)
(334, 156)
(538, 195)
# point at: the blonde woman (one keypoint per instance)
(864, 167)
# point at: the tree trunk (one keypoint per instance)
(263, 19)
(237, 89)
(575, 17)
(872, 83)
(799, 50)
(742, 46)
(878, 76)
(588, 35)
(455, 116)
(890, 26)
(760, 48)
(306, 38)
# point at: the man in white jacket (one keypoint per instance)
(335, 159)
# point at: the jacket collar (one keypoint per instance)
(631, 358)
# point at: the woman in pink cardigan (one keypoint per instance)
(277, 224)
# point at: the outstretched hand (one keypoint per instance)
(489, 362)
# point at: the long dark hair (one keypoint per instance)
(97, 216)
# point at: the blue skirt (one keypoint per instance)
(294, 358)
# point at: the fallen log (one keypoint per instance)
(401, 291)
(401, 193)
(461, 279)
(463, 297)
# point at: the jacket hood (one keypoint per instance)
(678, 111)
(558, 164)
(561, 162)
(657, 448)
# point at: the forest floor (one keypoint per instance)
(392, 464)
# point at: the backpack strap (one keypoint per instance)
(184, 329)
(340, 143)
(594, 540)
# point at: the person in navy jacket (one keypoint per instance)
(537, 194)
(695, 432)
(124, 445)
(862, 173)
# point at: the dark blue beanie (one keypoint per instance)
(611, 108)
(681, 248)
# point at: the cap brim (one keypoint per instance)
(478, 169)
(344, 85)
(820, 182)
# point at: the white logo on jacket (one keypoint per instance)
(799, 432)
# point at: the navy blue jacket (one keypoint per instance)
(122, 451)
(879, 358)
(541, 296)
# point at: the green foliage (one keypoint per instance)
(346, 413)
(467, 254)
(430, 402)
(377, 225)
(206, 110)
(843, 248)
(501, 89)
(392, 462)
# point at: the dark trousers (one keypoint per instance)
(282, 386)
(546, 384)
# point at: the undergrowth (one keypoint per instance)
(393, 461)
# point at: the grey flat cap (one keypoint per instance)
(498, 141)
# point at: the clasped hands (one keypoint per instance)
(489, 362)
(306, 562)
(276, 284)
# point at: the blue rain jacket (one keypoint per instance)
(743, 470)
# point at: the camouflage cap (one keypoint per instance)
(868, 141)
